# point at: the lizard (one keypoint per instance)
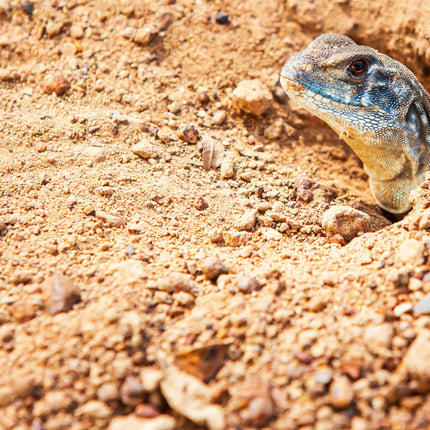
(375, 104)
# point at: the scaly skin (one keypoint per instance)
(374, 103)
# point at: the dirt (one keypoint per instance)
(194, 285)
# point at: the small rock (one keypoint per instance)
(252, 96)
(4, 6)
(379, 336)
(128, 32)
(316, 304)
(417, 358)
(190, 397)
(274, 131)
(341, 393)
(131, 422)
(23, 311)
(425, 220)
(228, 165)
(346, 221)
(222, 19)
(28, 8)
(219, 117)
(77, 31)
(270, 234)
(212, 267)
(203, 98)
(146, 410)
(95, 153)
(94, 409)
(189, 135)
(145, 149)
(174, 108)
(163, 20)
(411, 251)
(216, 236)
(422, 307)
(402, 308)
(145, 35)
(150, 378)
(108, 392)
(131, 392)
(185, 300)
(237, 238)
(201, 204)
(55, 83)
(112, 220)
(337, 238)
(246, 221)
(59, 294)
(248, 285)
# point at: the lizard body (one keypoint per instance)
(374, 103)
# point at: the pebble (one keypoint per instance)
(131, 422)
(212, 267)
(4, 6)
(252, 96)
(346, 221)
(402, 308)
(23, 311)
(417, 358)
(128, 32)
(112, 220)
(378, 336)
(237, 238)
(146, 410)
(425, 220)
(55, 83)
(94, 409)
(131, 391)
(174, 108)
(219, 117)
(77, 31)
(411, 251)
(190, 397)
(246, 221)
(59, 294)
(222, 19)
(201, 204)
(247, 284)
(145, 149)
(95, 153)
(150, 378)
(275, 130)
(341, 392)
(184, 299)
(227, 168)
(270, 234)
(145, 35)
(422, 307)
(108, 392)
(216, 235)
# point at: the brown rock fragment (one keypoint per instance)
(251, 96)
(346, 221)
(59, 294)
(212, 267)
(341, 392)
(55, 83)
(417, 358)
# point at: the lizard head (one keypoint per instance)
(353, 88)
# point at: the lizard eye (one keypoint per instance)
(358, 67)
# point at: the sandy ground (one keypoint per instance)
(141, 290)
